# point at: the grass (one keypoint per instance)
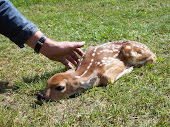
(138, 99)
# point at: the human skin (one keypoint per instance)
(64, 52)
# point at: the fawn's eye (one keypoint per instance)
(59, 88)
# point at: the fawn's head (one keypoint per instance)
(137, 54)
(63, 85)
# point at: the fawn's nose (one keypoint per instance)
(40, 96)
(152, 59)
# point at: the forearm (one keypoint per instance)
(14, 25)
(20, 30)
(32, 41)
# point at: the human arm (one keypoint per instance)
(20, 30)
(14, 25)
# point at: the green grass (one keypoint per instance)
(138, 99)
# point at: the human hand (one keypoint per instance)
(63, 52)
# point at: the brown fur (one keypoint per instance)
(99, 66)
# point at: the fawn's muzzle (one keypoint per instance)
(40, 97)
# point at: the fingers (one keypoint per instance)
(75, 57)
(72, 56)
(63, 52)
(66, 63)
(69, 58)
(77, 46)
(79, 51)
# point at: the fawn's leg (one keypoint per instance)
(115, 71)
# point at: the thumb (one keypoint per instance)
(77, 44)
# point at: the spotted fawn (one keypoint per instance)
(100, 65)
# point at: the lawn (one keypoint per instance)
(141, 98)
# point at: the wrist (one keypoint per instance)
(40, 44)
(32, 41)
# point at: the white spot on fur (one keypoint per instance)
(101, 65)
(95, 49)
(91, 61)
(88, 67)
(85, 72)
(138, 62)
(115, 50)
(112, 47)
(77, 77)
(90, 64)
(110, 58)
(133, 54)
(128, 47)
(103, 61)
(126, 71)
(82, 83)
(100, 52)
(117, 46)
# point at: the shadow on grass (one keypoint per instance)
(5, 86)
(41, 102)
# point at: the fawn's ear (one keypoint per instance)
(88, 84)
(127, 48)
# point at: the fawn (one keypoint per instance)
(100, 65)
